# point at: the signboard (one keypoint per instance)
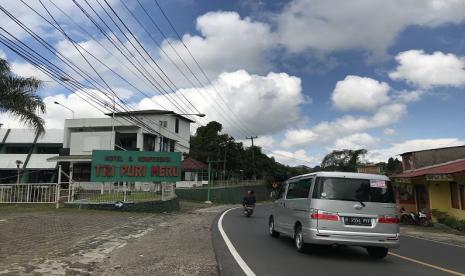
(402, 180)
(439, 177)
(369, 169)
(132, 166)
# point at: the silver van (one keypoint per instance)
(337, 208)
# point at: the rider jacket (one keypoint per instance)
(249, 200)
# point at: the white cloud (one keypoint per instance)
(263, 104)
(409, 96)
(389, 132)
(295, 158)
(356, 141)
(371, 25)
(226, 43)
(39, 25)
(265, 142)
(382, 155)
(428, 70)
(328, 132)
(56, 114)
(28, 70)
(2, 54)
(359, 93)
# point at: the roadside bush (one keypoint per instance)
(454, 223)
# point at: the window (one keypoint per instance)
(164, 123)
(48, 150)
(149, 142)
(332, 188)
(176, 126)
(454, 198)
(18, 149)
(462, 196)
(299, 189)
(127, 141)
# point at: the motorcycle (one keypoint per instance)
(412, 218)
(248, 210)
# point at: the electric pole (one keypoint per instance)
(254, 176)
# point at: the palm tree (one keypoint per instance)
(18, 96)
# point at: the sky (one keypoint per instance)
(305, 76)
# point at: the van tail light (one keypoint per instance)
(393, 219)
(324, 215)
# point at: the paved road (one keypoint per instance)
(268, 256)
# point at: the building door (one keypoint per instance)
(421, 193)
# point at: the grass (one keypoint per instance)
(133, 196)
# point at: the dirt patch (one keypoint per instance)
(181, 246)
(45, 241)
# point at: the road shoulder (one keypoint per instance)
(180, 245)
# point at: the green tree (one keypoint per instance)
(343, 160)
(209, 143)
(18, 96)
(393, 166)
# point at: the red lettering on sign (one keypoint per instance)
(154, 171)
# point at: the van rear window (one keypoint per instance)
(364, 190)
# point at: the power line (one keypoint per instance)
(217, 107)
(74, 67)
(197, 63)
(74, 43)
(106, 50)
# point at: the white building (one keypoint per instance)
(164, 131)
(24, 148)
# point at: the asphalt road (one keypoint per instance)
(270, 256)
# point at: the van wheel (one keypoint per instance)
(271, 230)
(299, 240)
(377, 252)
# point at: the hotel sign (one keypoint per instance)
(132, 166)
(439, 177)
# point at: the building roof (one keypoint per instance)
(192, 164)
(27, 136)
(443, 168)
(343, 175)
(70, 158)
(432, 149)
(150, 112)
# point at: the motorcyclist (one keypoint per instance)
(249, 199)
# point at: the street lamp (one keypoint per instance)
(55, 102)
(18, 166)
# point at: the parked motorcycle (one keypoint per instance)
(248, 210)
(411, 218)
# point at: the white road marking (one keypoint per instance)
(231, 247)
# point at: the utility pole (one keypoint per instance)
(254, 177)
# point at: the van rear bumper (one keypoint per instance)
(328, 237)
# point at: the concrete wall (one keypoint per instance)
(437, 156)
(83, 143)
(231, 195)
(439, 193)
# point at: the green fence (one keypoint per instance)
(232, 195)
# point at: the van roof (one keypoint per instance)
(343, 174)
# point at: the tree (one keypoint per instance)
(343, 160)
(393, 166)
(18, 96)
(209, 143)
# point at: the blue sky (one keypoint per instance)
(305, 76)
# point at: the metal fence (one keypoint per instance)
(114, 192)
(29, 193)
(236, 183)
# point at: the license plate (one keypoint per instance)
(357, 221)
